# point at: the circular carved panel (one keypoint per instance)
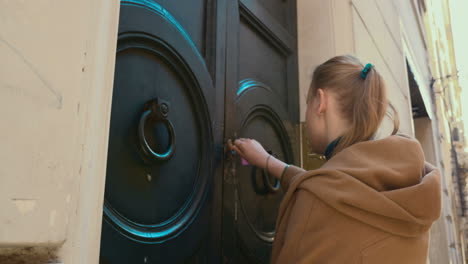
(261, 118)
(160, 144)
(154, 196)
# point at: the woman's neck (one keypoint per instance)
(336, 129)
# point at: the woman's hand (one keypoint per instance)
(250, 150)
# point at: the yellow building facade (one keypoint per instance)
(452, 139)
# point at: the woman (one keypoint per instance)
(373, 201)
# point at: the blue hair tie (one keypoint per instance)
(366, 70)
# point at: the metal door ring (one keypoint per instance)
(158, 111)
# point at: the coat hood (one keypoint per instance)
(384, 183)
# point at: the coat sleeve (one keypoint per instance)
(290, 175)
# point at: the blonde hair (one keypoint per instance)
(362, 101)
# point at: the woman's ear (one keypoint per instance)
(322, 101)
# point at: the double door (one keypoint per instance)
(189, 75)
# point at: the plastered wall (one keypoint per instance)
(55, 96)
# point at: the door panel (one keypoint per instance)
(261, 60)
(271, 44)
(277, 8)
(160, 156)
(261, 102)
(261, 116)
(192, 16)
(189, 74)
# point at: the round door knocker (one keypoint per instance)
(272, 188)
(156, 110)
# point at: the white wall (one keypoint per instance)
(55, 96)
(324, 31)
(378, 40)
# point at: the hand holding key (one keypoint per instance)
(250, 150)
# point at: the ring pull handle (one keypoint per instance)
(271, 187)
(156, 110)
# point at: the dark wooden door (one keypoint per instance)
(261, 103)
(164, 144)
(190, 74)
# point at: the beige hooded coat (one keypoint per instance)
(373, 202)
